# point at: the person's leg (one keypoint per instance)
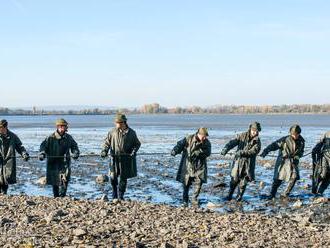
(275, 186)
(114, 184)
(197, 189)
(63, 189)
(289, 187)
(315, 180)
(242, 186)
(323, 186)
(56, 190)
(185, 197)
(4, 189)
(122, 188)
(232, 186)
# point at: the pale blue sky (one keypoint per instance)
(127, 53)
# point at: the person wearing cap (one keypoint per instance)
(195, 149)
(9, 145)
(56, 148)
(243, 167)
(291, 149)
(321, 165)
(123, 144)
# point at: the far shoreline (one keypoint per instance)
(173, 114)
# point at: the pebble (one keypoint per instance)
(101, 179)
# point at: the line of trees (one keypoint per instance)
(156, 108)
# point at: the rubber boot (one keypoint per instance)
(241, 193)
(275, 186)
(232, 187)
(323, 186)
(197, 190)
(289, 188)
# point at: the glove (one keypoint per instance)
(263, 154)
(104, 154)
(75, 155)
(25, 156)
(173, 153)
(223, 152)
(42, 156)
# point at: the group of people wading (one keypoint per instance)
(122, 144)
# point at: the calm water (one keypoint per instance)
(158, 133)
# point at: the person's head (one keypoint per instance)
(202, 133)
(120, 121)
(254, 128)
(3, 127)
(295, 131)
(61, 126)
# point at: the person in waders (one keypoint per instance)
(195, 149)
(321, 165)
(9, 145)
(122, 143)
(291, 149)
(56, 148)
(243, 167)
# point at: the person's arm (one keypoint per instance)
(43, 150)
(106, 145)
(137, 144)
(253, 151)
(205, 150)
(300, 152)
(180, 145)
(74, 149)
(21, 149)
(316, 152)
(230, 145)
(273, 147)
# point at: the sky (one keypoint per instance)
(174, 52)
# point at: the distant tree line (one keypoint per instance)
(156, 108)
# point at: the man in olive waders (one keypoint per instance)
(57, 148)
(291, 149)
(9, 144)
(321, 165)
(248, 146)
(123, 144)
(195, 149)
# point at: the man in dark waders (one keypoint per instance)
(193, 166)
(123, 144)
(291, 149)
(321, 165)
(57, 148)
(9, 144)
(248, 146)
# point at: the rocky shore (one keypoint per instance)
(46, 222)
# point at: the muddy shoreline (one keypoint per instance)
(156, 183)
(46, 222)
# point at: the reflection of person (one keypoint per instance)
(123, 144)
(9, 144)
(291, 149)
(248, 146)
(193, 166)
(321, 165)
(57, 149)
